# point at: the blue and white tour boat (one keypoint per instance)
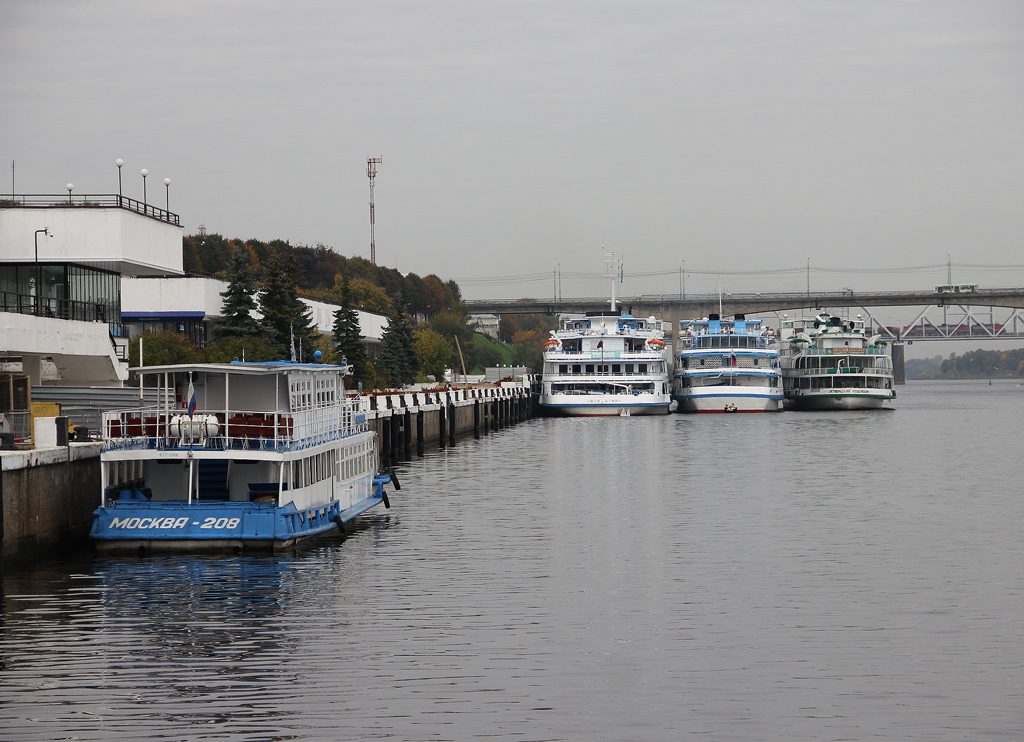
(831, 363)
(726, 365)
(234, 457)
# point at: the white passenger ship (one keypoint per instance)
(830, 363)
(236, 456)
(606, 363)
(726, 365)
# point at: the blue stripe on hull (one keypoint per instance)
(178, 526)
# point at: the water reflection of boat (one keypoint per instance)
(236, 456)
(726, 366)
(829, 363)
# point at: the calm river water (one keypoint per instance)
(800, 576)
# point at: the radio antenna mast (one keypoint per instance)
(371, 173)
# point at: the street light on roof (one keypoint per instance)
(167, 189)
(70, 188)
(119, 162)
(144, 173)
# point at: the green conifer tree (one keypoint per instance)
(347, 336)
(284, 315)
(398, 359)
(239, 300)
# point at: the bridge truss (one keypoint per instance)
(958, 322)
(981, 314)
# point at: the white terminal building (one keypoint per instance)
(81, 276)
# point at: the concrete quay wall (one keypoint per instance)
(47, 495)
(46, 500)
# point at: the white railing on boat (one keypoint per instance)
(260, 430)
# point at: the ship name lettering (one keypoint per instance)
(133, 523)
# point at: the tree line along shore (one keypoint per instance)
(429, 328)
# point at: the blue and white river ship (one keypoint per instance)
(235, 457)
(724, 365)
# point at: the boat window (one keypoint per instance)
(616, 368)
(590, 368)
(643, 368)
(629, 368)
(563, 368)
(575, 368)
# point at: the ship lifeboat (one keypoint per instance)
(552, 344)
(196, 428)
(656, 343)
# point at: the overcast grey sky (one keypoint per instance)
(737, 135)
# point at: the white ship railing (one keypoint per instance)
(227, 430)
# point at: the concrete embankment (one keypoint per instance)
(47, 496)
(46, 500)
(413, 420)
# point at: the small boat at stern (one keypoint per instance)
(726, 365)
(235, 457)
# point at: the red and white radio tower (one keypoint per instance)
(371, 173)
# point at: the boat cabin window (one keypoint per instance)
(590, 368)
(629, 368)
(563, 368)
(576, 368)
(642, 368)
(616, 368)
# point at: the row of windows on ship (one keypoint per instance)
(652, 367)
(839, 381)
(758, 380)
(843, 362)
(608, 388)
(715, 361)
(729, 341)
(629, 344)
(355, 460)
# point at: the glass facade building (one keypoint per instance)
(63, 291)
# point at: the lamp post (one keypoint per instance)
(46, 231)
(70, 188)
(167, 193)
(119, 162)
(145, 202)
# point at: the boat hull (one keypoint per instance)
(724, 401)
(133, 523)
(838, 399)
(603, 408)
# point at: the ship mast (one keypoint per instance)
(613, 264)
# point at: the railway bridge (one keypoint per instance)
(966, 314)
(946, 312)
